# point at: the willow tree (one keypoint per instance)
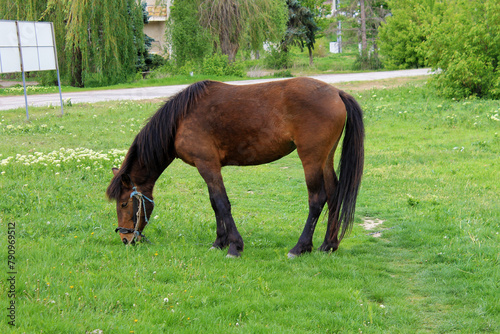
(236, 22)
(22, 10)
(103, 40)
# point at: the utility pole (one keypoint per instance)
(335, 10)
(363, 27)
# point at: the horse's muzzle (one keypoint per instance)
(126, 242)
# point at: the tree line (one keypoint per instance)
(101, 42)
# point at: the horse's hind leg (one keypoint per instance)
(331, 242)
(317, 199)
(227, 233)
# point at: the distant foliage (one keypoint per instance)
(464, 44)
(242, 23)
(402, 37)
(278, 59)
(188, 41)
(103, 44)
(283, 74)
(459, 38)
(22, 10)
(197, 28)
(367, 61)
(218, 65)
(360, 25)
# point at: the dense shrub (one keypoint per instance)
(465, 46)
(277, 59)
(218, 64)
(458, 38)
(402, 37)
(367, 61)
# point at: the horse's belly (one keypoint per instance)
(232, 146)
(256, 152)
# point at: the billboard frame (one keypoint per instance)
(36, 57)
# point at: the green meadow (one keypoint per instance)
(428, 263)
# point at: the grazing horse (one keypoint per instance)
(211, 124)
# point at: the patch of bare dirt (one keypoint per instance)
(370, 224)
(380, 84)
(9, 83)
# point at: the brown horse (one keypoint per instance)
(212, 124)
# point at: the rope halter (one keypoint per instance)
(139, 202)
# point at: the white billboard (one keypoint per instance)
(27, 46)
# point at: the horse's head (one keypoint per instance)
(133, 209)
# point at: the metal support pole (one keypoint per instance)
(60, 94)
(22, 70)
(339, 29)
(25, 98)
(57, 66)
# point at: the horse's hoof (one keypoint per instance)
(292, 256)
(231, 256)
(328, 248)
(233, 251)
(212, 248)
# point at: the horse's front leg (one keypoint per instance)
(227, 233)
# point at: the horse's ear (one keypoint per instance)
(126, 181)
(115, 171)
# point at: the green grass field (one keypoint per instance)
(431, 175)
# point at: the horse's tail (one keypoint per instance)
(343, 201)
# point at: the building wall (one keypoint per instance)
(158, 11)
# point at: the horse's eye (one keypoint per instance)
(124, 204)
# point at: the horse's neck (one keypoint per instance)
(146, 178)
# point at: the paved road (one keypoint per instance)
(13, 102)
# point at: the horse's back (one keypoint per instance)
(259, 123)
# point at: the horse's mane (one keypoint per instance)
(153, 147)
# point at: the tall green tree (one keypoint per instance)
(103, 40)
(188, 40)
(22, 10)
(268, 26)
(301, 28)
(57, 12)
(360, 24)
